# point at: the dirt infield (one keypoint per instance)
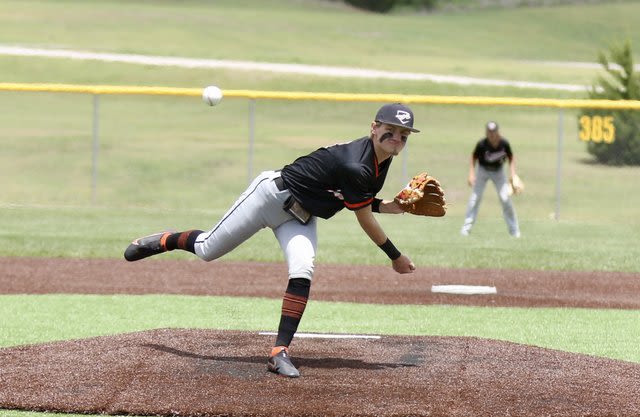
(359, 284)
(188, 372)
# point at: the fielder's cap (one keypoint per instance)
(396, 114)
(492, 126)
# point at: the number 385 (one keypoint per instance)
(597, 129)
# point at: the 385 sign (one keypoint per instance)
(597, 129)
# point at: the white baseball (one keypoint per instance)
(212, 95)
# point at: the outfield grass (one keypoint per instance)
(175, 163)
(318, 32)
(545, 245)
(43, 318)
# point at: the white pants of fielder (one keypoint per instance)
(499, 179)
(260, 206)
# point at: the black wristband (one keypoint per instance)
(375, 206)
(392, 252)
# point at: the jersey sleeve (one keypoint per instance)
(355, 184)
(477, 150)
(507, 149)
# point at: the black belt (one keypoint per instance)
(279, 183)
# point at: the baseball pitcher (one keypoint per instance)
(289, 201)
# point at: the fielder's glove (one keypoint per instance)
(422, 196)
(516, 186)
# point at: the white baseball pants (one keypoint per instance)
(260, 206)
(499, 179)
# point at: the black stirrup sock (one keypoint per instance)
(183, 240)
(293, 305)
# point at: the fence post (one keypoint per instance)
(559, 162)
(95, 148)
(252, 129)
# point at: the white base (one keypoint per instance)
(463, 289)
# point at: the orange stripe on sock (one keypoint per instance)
(182, 239)
(292, 313)
(293, 305)
(295, 298)
(163, 241)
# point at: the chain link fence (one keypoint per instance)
(141, 146)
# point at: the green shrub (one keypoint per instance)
(621, 83)
(379, 6)
(383, 6)
(420, 4)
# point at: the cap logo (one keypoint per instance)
(403, 116)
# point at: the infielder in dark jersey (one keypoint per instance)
(487, 162)
(289, 201)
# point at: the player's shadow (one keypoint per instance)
(323, 363)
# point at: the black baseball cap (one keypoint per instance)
(396, 114)
(492, 126)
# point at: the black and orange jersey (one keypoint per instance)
(334, 177)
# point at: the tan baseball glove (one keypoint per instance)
(516, 186)
(422, 196)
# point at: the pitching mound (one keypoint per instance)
(188, 372)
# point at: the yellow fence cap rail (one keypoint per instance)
(347, 97)
(100, 89)
(425, 99)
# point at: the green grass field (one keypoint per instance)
(167, 162)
